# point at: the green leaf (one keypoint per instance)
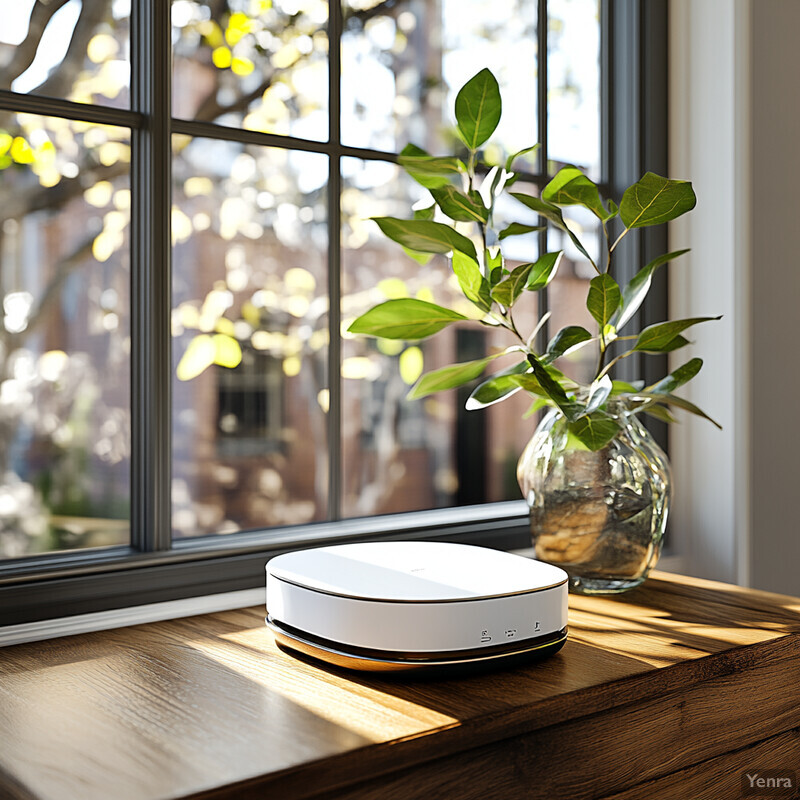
(571, 187)
(410, 364)
(474, 286)
(429, 171)
(659, 413)
(458, 206)
(420, 258)
(544, 270)
(496, 388)
(494, 265)
(199, 356)
(679, 402)
(553, 390)
(564, 341)
(227, 351)
(537, 405)
(655, 338)
(623, 387)
(508, 290)
(552, 213)
(407, 318)
(678, 377)
(493, 261)
(448, 377)
(514, 156)
(558, 376)
(654, 200)
(425, 236)
(518, 229)
(674, 344)
(478, 109)
(598, 394)
(529, 383)
(425, 213)
(635, 292)
(496, 178)
(603, 298)
(595, 430)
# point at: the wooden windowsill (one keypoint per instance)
(672, 690)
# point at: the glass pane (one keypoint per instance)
(399, 454)
(403, 63)
(255, 64)
(573, 77)
(250, 328)
(71, 49)
(65, 335)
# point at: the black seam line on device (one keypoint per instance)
(399, 657)
(416, 602)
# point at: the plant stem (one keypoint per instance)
(619, 239)
(608, 246)
(605, 370)
(602, 359)
(511, 326)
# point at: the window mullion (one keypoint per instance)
(541, 120)
(151, 378)
(334, 263)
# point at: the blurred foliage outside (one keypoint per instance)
(250, 286)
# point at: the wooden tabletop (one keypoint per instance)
(668, 691)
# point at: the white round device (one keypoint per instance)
(406, 605)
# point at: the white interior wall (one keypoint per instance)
(735, 132)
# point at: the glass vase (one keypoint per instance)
(599, 515)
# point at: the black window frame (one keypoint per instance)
(154, 568)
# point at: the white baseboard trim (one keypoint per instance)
(124, 617)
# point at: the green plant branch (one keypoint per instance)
(652, 200)
(619, 239)
(511, 326)
(471, 170)
(601, 357)
(605, 370)
(483, 240)
(608, 245)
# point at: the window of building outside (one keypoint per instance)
(287, 118)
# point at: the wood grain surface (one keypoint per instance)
(669, 691)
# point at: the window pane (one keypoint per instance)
(399, 454)
(71, 49)
(256, 64)
(65, 336)
(403, 63)
(573, 77)
(250, 327)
